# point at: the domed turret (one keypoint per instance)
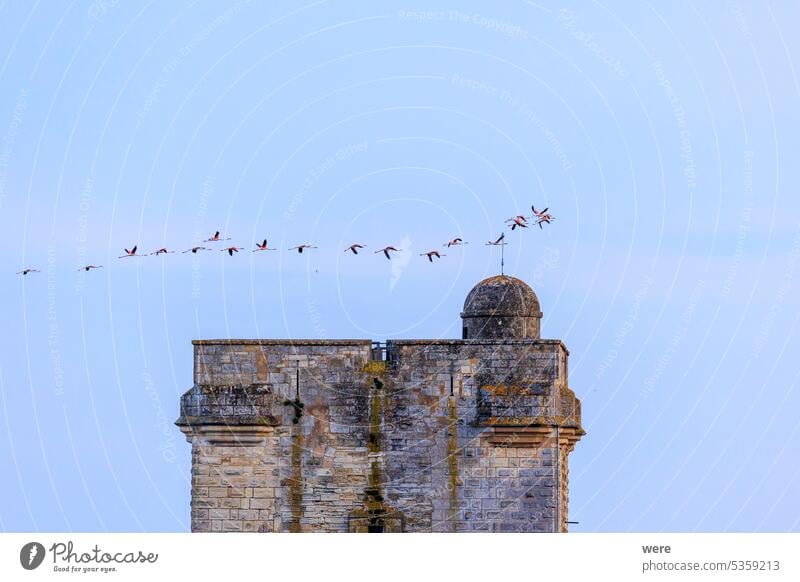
(501, 307)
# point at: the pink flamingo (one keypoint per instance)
(431, 254)
(354, 248)
(129, 253)
(520, 221)
(387, 250)
(216, 238)
(538, 213)
(301, 248)
(542, 216)
(263, 247)
(455, 242)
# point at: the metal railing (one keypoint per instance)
(379, 352)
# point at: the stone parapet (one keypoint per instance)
(434, 435)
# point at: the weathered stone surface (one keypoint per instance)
(434, 435)
(501, 307)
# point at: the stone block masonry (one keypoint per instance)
(464, 435)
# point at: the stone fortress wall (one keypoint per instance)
(413, 435)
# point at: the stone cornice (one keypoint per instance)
(222, 434)
(531, 436)
(282, 342)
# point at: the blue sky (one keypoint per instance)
(664, 140)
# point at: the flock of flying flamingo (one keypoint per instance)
(539, 217)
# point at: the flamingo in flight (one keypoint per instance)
(387, 250)
(542, 216)
(231, 250)
(431, 254)
(354, 248)
(455, 242)
(518, 221)
(263, 247)
(195, 249)
(26, 271)
(301, 248)
(216, 238)
(499, 241)
(161, 251)
(129, 253)
(539, 213)
(88, 268)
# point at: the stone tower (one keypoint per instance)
(411, 435)
(501, 307)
